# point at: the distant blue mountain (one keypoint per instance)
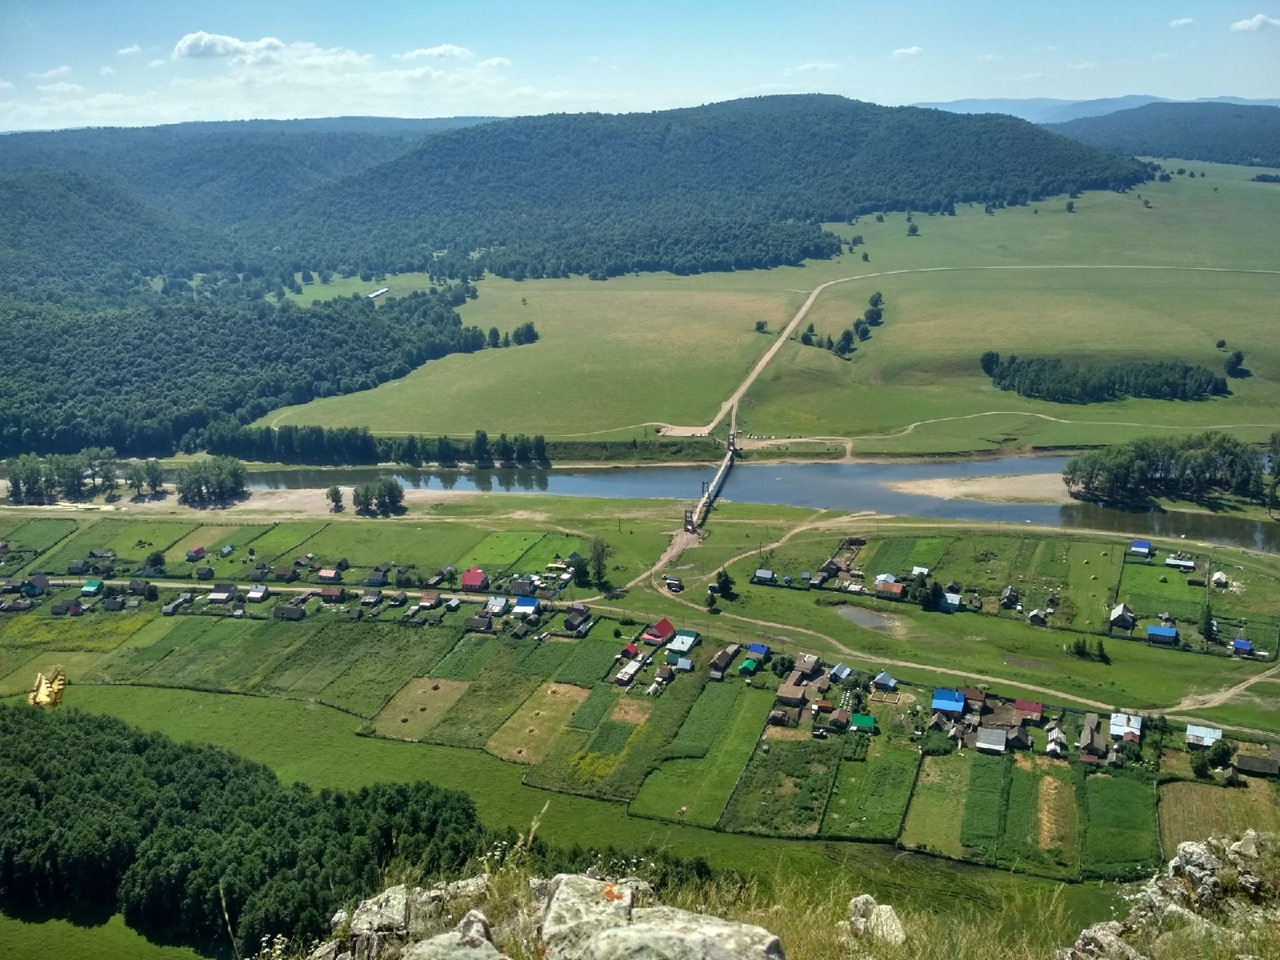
(1049, 110)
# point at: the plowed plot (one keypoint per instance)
(527, 735)
(418, 707)
(632, 711)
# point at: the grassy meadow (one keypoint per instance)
(662, 348)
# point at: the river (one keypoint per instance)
(835, 486)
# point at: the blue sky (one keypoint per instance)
(127, 62)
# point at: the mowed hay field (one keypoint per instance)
(662, 348)
(527, 735)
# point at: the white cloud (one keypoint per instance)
(204, 45)
(129, 50)
(907, 52)
(5, 85)
(1181, 22)
(1162, 56)
(988, 57)
(1256, 22)
(1032, 76)
(158, 62)
(494, 62)
(52, 74)
(106, 71)
(1087, 65)
(60, 88)
(443, 51)
(811, 67)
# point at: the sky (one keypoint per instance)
(70, 63)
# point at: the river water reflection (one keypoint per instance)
(836, 486)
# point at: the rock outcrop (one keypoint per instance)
(1220, 889)
(577, 918)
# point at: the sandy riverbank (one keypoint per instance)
(1027, 488)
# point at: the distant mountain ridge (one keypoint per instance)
(1214, 132)
(1045, 110)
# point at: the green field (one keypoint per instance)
(934, 817)
(968, 283)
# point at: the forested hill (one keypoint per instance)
(1215, 132)
(735, 184)
(67, 228)
(222, 172)
(731, 185)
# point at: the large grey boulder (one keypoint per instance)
(666, 933)
(470, 940)
(876, 920)
(578, 907)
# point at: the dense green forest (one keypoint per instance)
(96, 814)
(1185, 468)
(143, 377)
(1062, 381)
(1216, 132)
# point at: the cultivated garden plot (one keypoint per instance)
(1091, 583)
(131, 541)
(936, 813)
(693, 787)
(784, 790)
(284, 541)
(1118, 813)
(589, 660)
(869, 800)
(417, 707)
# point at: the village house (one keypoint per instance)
(765, 577)
(949, 703)
(1257, 766)
(1092, 745)
(223, 593)
(1162, 636)
(1127, 727)
(1201, 736)
(204, 573)
(195, 554)
(1122, 618)
(721, 661)
(329, 575)
(659, 633)
(1029, 711)
(884, 682)
(1140, 548)
(793, 692)
(475, 580)
(479, 624)
(258, 593)
(285, 611)
(685, 640)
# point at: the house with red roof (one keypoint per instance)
(475, 579)
(1031, 711)
(659, 633)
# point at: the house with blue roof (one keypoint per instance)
(948, 702)
(1242, 648)
(758, 650)
(883, 681)
(1165, 636)
(839, 673)
(527, 606)
(1141, 548)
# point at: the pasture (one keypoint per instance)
(1033, 280)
